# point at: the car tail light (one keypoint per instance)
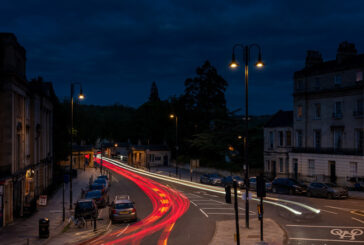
(114, 211)
(133, 211)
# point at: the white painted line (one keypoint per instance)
(210, 195)
(359, 220)
(217, 208)
(212, 204)
(204, 213)
(121, 232)
(225, 213)
(328, 211)
(323, 240)
(328, 226)
(343, 209)
(193, 203)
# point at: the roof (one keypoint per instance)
(356, 61)
(280, 119)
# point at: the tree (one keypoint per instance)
(154, 97)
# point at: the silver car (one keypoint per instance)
(122, 209)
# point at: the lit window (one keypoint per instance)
(299, 112)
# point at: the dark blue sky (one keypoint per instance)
(116, 49)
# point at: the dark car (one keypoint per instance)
(253, 184)
(102, 181)
(212, 179)
(229, 181)
(96, 186)
(86, 208)
(327, 190)
(98, 196)
(103, 177)
(288, 186)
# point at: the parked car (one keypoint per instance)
(96, 186)
(288, 186)
(98, 196)
(211, 179)
(356, 183)
(253, 184)
(86, 208)
(103, 177)
(229, 181)
(327, 190)
(102, 181)
(122, 209)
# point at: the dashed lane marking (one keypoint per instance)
(343, 209)
(359, 220)
(204, 213)
(121, 232)
(193, 203)
(225, 214)
(323, 210)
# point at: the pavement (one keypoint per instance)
(25, 230)
(273, 233)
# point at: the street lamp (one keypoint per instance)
(173, 116)
(81, 96)
(235, 64)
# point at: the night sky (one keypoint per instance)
(116, 49)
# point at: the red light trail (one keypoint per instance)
(168, 206)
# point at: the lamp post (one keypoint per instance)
(234, 64)
(81, 97)
(173, 116)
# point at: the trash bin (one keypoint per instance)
(44, 228)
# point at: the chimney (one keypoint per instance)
(345, 51)
(313, 58)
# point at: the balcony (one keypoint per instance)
(358, 114)
(337, 115)
(330, 150)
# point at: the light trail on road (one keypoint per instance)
(168, 206)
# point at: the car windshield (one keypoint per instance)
(102, 177)
(123, 205)
(97, 187)
(93, 194)
(100, 181)
(237, 178)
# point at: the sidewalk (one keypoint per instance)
(224, 233)
(27, 228)
(356, 195)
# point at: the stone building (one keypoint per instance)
(278, 142)
(328, 120)
(149, 156)
(26, 133)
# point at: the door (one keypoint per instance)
(274, 173)
(295, 170)
(165, 160)
(332, 171)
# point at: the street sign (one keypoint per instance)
(42, 200)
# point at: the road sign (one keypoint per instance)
(43, 200)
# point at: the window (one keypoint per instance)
(338, 110)
(299, 84)
(337, 80)
(271, 139)
(317, 111)
(280, 138)
(288, 138)
(298, 138)
(299, 112)
(359, 139)
(311, 167)
(359, 76)
(317, 139)
(267, 165)
(359, 108)
(353, 169)
(338, 135)
(281, 165)
(287, 165)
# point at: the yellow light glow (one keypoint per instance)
(240, 137)
(81, 96)
(116, 145)
(171, 116)
(233, 65)
(259, 64)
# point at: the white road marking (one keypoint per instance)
(225, 213)
(328, 226)
(343, 209)
(210, 195)
(359, 220)
(204, 213)
(328, 211)
(217, 208)
(121, 232)
(193, 203)
(323, 240)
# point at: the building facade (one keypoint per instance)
(26, 139)
(149, 156)
(328, 120)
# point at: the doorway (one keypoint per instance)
(332, 171)
(274, 170)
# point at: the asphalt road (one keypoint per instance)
(338, 222)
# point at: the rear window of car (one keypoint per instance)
(84, 205)
(97, 187)
(123, 205)
(93, 194)
(100, 181)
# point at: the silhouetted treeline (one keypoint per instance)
(206, 129)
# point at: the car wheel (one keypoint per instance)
(274, 190)
(329, 195)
